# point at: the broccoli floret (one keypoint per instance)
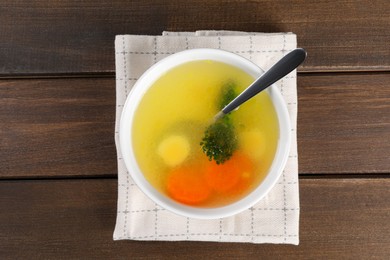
(228, 93)
(220, 141)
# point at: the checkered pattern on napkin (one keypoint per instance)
(275, 219)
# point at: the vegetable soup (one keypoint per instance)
(171, 130)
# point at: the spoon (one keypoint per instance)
(280, 69)
(219, 140)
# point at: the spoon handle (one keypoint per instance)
(284, 66)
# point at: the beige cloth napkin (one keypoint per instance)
(275, 219)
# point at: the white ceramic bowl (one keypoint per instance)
(143, 84)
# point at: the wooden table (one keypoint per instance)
(57, 103)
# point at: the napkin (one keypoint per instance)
(275, 219)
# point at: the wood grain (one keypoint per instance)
(340, 218)
(65, 127)
(344, 123)
(45, 36)
(57, 127)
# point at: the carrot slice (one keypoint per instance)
(187, 186)
(224, 177)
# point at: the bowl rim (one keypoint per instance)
(127, 117)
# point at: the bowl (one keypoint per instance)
(126, 146)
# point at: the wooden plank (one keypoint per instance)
(57, 127)
(340, 218)
(65, 127)
(46, 36)
(344, 123)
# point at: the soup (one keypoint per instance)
(170, 124)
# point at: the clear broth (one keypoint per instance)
(182, 103)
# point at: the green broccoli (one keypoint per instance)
(220, 141)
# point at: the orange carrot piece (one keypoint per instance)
(187, 186)
(227, 176)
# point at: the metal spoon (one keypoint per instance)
(280, 69)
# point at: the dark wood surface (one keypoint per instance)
(57, 127)
(45, 36)
(340, 218)
(57, 110)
